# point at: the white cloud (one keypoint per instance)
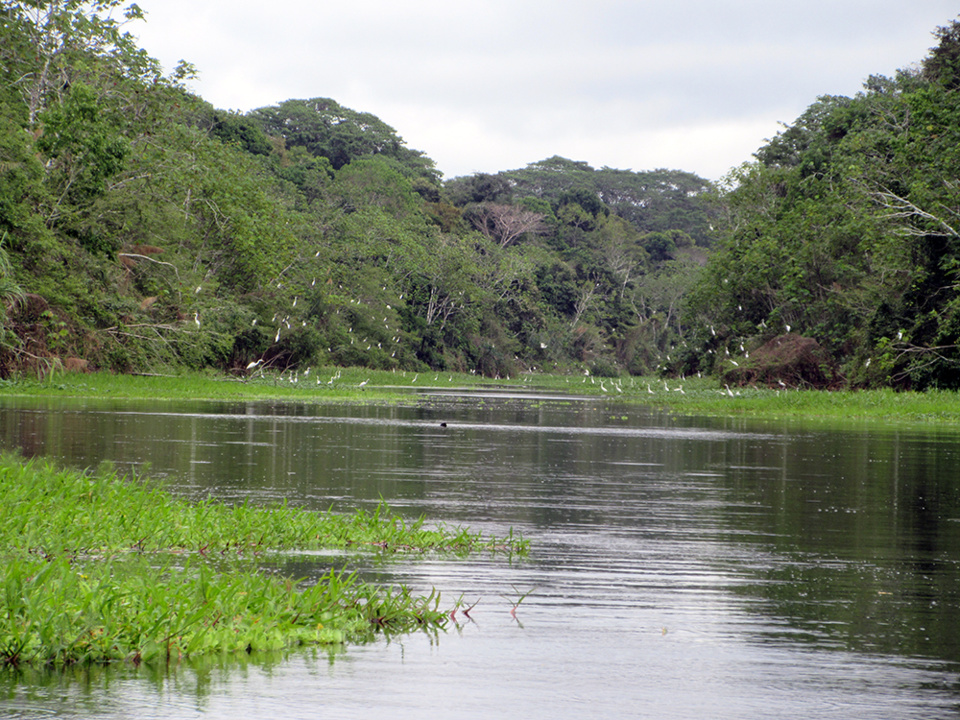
(694, 85)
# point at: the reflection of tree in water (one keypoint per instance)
(863, 534)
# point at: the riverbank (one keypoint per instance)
(99, 568)
(690, 396)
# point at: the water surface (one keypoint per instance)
(681, 567)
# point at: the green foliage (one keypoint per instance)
(243, 132)
(846, 231)
(327, 129)
(942, 65)
(82, 143)
(97, 568)
(306, 232)
(158, 231)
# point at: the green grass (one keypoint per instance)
(336, 384)
(98, 568)
(700, 396)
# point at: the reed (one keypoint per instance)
(98, 568)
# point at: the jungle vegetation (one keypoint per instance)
(144, 229)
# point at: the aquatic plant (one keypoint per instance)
(520, 597)
(98, 568)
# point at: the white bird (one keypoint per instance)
(251, 365)
(277, 338)
(196, 319)
(649, 389)
(363, 383)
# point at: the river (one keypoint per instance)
(681, 567)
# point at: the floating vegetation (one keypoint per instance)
(99, 568)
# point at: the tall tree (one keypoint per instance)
(327, 129)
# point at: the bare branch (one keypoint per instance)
(504, 224)
(899, 207)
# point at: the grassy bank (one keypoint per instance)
(693, 396)
(99, 568)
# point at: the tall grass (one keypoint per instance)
(97, 568)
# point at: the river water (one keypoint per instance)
(680, 567)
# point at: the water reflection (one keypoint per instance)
(682, 567)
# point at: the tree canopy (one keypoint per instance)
(140, 227)
(846, 228)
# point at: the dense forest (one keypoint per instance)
(143, 229)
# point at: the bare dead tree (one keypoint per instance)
(504, 224)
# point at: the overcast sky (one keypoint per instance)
(692, 85)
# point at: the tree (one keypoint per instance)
(83, 144)
(942, 65)
(505, 224)
(327, 129)
(64, 36)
